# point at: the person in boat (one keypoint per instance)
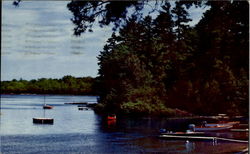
(191, 127)
(203, 123)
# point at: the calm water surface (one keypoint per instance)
(76, 131)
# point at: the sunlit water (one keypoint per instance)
(77, 131)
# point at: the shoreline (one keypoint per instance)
(177, 117)
(47, 94)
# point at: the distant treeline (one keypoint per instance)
(66, 85)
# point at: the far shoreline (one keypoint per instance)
(171, 117)
(47, 94)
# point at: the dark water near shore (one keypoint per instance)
(76, 131)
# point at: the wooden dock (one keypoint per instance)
(245, 151)
(179, 137)
(185, 133)
(239, 130)
(200, 138)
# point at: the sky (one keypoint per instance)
(38, 42)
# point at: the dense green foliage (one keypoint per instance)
(87, 13)
(153, 65)
(66, 85)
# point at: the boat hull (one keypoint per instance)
(177, 137)
(111, 117)
(82, 108)
(43, 120)
(47, 107)
(185, 134)
(212, 128)
(235, 123)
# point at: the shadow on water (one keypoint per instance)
(77, 131)
(143, 133)
(149, 127)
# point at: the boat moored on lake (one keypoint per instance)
(204, 128)
(187, 133)
(111, 117)
(43, 120)
(83, 108)
(47, 106)
(77, 103)
(222, 123)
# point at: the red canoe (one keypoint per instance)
(112, 117)
(47, 107)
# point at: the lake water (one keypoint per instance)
(83, 131)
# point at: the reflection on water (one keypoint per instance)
(190, 146)
(76, 131)
(17, 112)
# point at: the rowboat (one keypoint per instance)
(47, 106)
(43, 120)
(82, 108)
(188, 133)
(111, 117)
(232, 123)
(209, 128)
(212, 128)
(81, 105)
